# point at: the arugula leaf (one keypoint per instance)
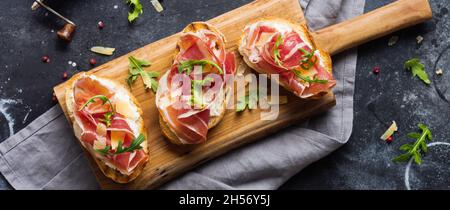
(402, 158)
(104, 151)
(136, 70)
(107, 116)
(202, 82)
(131, 79)
(92, 100)
(135, 144)
(308, 79)
(406, 147)
(188, 66)
(107, 119)
(309, 60)
(414, 150)
(136, 9)
(418, 69)
(242, 103)
(149, 81)
(414, 135)
(196, 91)
(250, 100)
(136, 63)
(417, 158)
(196, 99)
(276, 51)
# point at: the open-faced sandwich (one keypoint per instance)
(192, 94)
(107, 120)
(275, 46)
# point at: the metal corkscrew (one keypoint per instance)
(66, 32)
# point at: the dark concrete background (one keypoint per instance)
(363, 163)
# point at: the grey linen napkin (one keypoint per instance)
(46, 155)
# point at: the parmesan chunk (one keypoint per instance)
(389, 131)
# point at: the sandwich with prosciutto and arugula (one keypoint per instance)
(276, 46)
(107, 121)
(192, 94)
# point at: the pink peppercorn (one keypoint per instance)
(45, 59)
(54, 97)
(92, 61)
(376, 70)
(389, 139)
(100, 24)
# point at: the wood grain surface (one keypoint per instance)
(236, 129)
(372, 25)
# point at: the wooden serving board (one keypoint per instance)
(168, 161)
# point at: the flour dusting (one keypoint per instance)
(4, 105)
(409, 98)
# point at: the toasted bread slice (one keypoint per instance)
(107, 169)
(197, 26)
(213, 120)
(302, 30)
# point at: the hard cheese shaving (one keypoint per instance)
(157, 5)
(389, 131)
(103, 50)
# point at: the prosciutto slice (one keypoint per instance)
(263, 39)
(94, 131)
(174, 99)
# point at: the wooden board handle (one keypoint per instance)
(372, 25)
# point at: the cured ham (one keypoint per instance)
(191, 94)
(279, 47)
(108, 123)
